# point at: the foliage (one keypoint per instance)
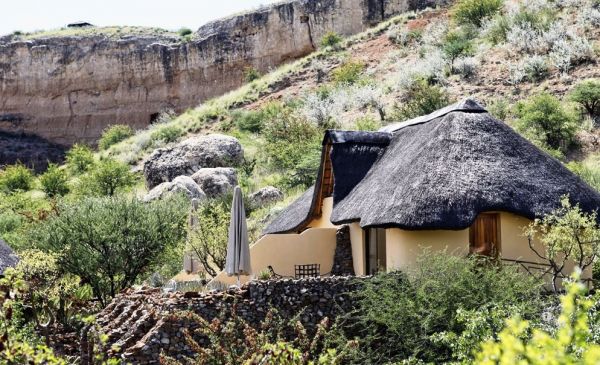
(519, 343)
(543, 117)
(80, 159)
(18, 211)
(402, 315)
(293, 145)
(54, 297)
(567, 234)
(535, 67)
(231, 340)
(348, 73)
(208, 232)
(587, 93)
(331, 39)
(113, 135)
(184, 31)
(589, 175)
(456, 44)
(107, 178)
(109, 242)
(54, 181)
(475, 11)
(251, 74)
(421, 99)
(253, 120)
(16, 178)
(367, 123)
(166, 134)
(13, 350)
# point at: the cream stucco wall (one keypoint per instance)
(358, 249)
(283, 251)
(324, 220)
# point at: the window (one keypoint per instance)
(484, 235)
(375, 250)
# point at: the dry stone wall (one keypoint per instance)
(68, 89)
(142, 324)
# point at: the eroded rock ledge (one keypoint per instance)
(68, 89)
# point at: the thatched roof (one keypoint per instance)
(440, 171)
(8, 258)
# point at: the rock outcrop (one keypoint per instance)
(180, 185)
(216, 181)
(265, 196)
(34, 152)
(68, 89)
(189, 156)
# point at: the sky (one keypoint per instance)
(31, 15)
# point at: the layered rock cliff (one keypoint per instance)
(68, 89)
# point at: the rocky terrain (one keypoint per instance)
(68, 88)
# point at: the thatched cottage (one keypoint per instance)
(457, 179)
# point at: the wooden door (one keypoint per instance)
(484, 235)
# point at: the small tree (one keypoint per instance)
(421, 98)
(587, 93)
(251, 74)
(113, 135)
(16, 177)
(54, 181)
(109, 242)
(108, 178)
(475, 11)
(80, 159)
(567, 234)
(208, 232)
(456, 45)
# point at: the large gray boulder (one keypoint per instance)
(182, 184)
(8, 257)
(265, 196)
(216, 181)
(189, 156)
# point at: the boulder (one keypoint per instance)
(189, 156)
(181, 184)
(216, 181)
(265, 196)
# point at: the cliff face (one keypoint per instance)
(68, 89)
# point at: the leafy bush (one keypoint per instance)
(16, 177)
(400, 316)
(544, 119)
(420, 99)
(108, 178)
(184, 31)
(348, 73)
(587, 94)
(331, 39)
(253, 120)
(54, 181)
(114, 134)
(109, 242)
(466, 67)
(535, 67)
(519, 343)
(456, 44)
(251, 74)
(166, 134)
(589, 175)
(367, 123)
(475, 11)
(80, 159)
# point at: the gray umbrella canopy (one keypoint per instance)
(238, 250)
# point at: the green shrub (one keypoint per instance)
(253, 120)
(80, 159)
(587, 94)
(331, 39)
(113, 135)
(543, 119)
(166, 134)
(108, 178)
(421, 98)
(348, 73)
(16, 177)
(587, 174)
(184, 31)
(109, 242)
(455, 45)
(54, 181)
(367, 123)
(498, 29)
(475, 11)
(251, 74)
(400, 315)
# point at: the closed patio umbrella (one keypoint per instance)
(238, 251)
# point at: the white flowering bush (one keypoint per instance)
(516, 73)
(535, 67)
(466, 67)
(431, 67)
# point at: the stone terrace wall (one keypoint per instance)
(142, 324)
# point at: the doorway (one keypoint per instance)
(375, 255)
(484, 235)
